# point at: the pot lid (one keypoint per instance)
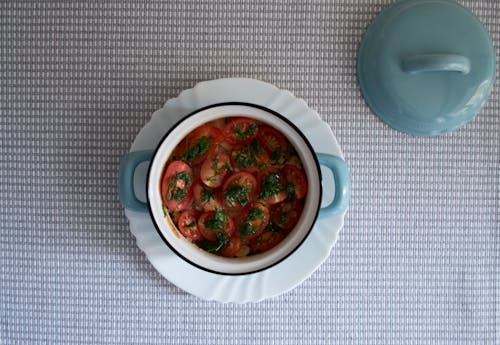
(426, 67)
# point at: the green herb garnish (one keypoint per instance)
(245, 134)
(164, 209)
(282, 219)
(183, 175)
(254, 144)
(199, 148)
(215, 164)
(245, 158)
(179, 194)
(247, 155)
(255, 213)
(206, 195)
(271, 185)
(290, 190)
(247, 229)
(272, 227)
(217, 221)
(276, 155)
(237, 194)
(191, 225)
(221, 243)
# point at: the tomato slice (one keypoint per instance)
(176, 186)
(215, 168)
(240, 130)
(207, 198)
(188, 225)
(198, 144)
(253, 221)
(273, 142)
(239, 189)
(267, 240)
(271, 187)
(250, 157)
(286, 214)
(212, 223)
(232, 247)
(296, 180)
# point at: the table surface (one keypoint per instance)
(416, 263)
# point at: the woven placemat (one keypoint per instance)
(416, 263)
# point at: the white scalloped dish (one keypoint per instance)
(251, 287)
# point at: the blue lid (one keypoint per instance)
(426, 67)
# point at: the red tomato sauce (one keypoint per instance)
(234, 187)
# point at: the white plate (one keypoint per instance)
(257, 286)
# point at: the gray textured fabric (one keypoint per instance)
(417, 261)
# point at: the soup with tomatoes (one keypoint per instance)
(234, 187)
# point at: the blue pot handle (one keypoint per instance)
(128, 163)
(342, 185)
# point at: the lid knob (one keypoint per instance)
(436, 63)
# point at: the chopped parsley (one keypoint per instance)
(183, 175)
(283, 218)
(273, 227)
(207, 195)
(255, 213)
(240, 134)
(237, 194)
(254, 144)
(276, 155)
(164, 209)
(191, 225)
(245, 158)
(178, 194)
(271, 185)
(247, 229)
(215, 164)
(290, 190)
(199, 148)
(218, 171)
(217, 221)
(221, 243)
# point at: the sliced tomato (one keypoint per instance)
(253, 221)
(296, 178)
(250, 157)
(232, 247)
(240, 130)
(188, 225)
(199, 143)
(207, 198)
(215, 168)
(266, 240)
(212, 223)
(271, 187)
(176, 186)
(286, 214)
(273, 142)
(239, 189)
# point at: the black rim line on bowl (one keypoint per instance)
(291, 124)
